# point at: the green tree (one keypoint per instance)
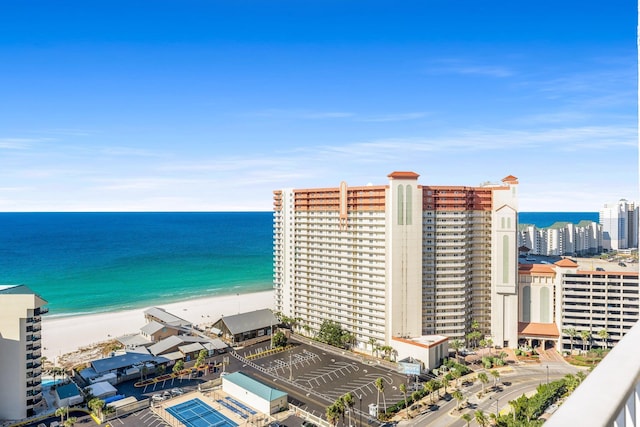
(380, 386)
(482, 376)
(458, 396)
(70, 422)
(349, 402)
(160, 370)
(456, 345)
(96, 405)
(473, 337)
(456, 374)
(332, 414)
(279, 339)
(604, 335)
(467, 417)
(481, 418)
(61, 412)
(430, 387)
(571, 333)
(403, 390)
(340, 407)
(331, 333)
(347, 339)
(178, 368)
(202, 356)
(496, 377)
(372, 343)
(143, 372)
(585, 336)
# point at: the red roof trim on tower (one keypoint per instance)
(512, 179)
(403, 175)
(565, 263)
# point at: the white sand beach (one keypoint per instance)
(66, 334)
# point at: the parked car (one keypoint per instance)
(622, 264)
(157, 398)
(599, 269)
(176, 391)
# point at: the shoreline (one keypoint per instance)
(66, 334)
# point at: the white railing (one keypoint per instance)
(610, 395)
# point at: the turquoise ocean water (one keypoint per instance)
(97, 262)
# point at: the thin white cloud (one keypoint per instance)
(130, 152)
(398, 117)
(21, 143)
(328, 115)
(465, 67)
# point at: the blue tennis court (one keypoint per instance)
(196, 413)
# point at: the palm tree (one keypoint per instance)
(177, 368)
(403, 390)
(332, 414)
(70, 422)
(585, 335)
(481, 418)
(340, 407)
(349, 402)
(571, 333)
(456, 374)
(496, 377)
(602, 333)
(430, 387)
(467, 417)
(96, 406)
(380, 386)
(459, 397)
(60, 412)
(456, 345)
(372, 343)
(482, 376)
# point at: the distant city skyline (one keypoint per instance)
(192, 106)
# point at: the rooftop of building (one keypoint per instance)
(244, 322)
(253, 386)
(165, 317)
(426, 341)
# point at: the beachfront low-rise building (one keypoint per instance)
(20, 351)
(401, 260)
(247, 328)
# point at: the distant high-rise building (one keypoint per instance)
(20, 354)
(619, 225)
(562, 238)
(399, 261)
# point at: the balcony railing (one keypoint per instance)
(610, 395)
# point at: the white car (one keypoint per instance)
(157, 398)
(176, 391)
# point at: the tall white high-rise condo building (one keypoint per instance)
(20, 363)
(619, 225)
(402, 260)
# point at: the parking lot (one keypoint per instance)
(313, 377)
(316, 377)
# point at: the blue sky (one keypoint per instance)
(211, 105)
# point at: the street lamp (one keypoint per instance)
(497, 404)
(360, 405)
(547, 374)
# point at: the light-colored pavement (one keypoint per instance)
(521, 379)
